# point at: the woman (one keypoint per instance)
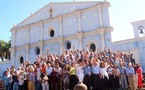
(103, 76)
(65, 77)
(15, 80)
(110, 71)
(21, 80)
(140, 76)
(44, 80)
(79, 72)
(31, 78)
(73, 79)
(58, 69)
(116, 77)
(55, 80)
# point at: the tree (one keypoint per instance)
(4, 49)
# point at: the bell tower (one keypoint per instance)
(139, 28)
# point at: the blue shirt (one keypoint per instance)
(87, 70)
(130, 70)
(122, 70)
(32, 77)
(110, 70)
(96, 69)
(116, 63)
(6, 80)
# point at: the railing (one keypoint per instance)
(1, 84)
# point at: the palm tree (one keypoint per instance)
(4, 49)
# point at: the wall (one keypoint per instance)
(58, 9)
(4, 66)
(135, 46)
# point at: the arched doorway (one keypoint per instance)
(92, 47)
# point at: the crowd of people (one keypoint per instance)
(105, 70)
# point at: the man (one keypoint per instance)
(49, 71)
(130, 74)
(132, 60)
(55, 81)
(87, 72)
(95, 75)
(123, 78)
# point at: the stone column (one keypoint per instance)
(41, 39)
(13, 55)
(27, 47)
(27, 44)
(100, 16)
(80, 37)
(60, 25)
(79, 20)
(101, 32)
(28, 33)
(60, 40)
(14, 32)
(41, 47)
(80, 44)
(41, 30)
(13, 48)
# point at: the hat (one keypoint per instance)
(80, 86)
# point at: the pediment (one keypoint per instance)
(58, 8)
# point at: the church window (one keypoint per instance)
(21, 59)
(68, 45)
(37, 50)
(93, 47)
(52, 33)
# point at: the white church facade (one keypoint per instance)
(62, 25)
(59, 26)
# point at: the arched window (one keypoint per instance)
(67, 45)
(37, 50)
(52, 33)
(21, 59)
(93, 47)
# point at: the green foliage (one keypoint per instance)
(4, 47)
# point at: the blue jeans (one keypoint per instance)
(16, 86)
(123, 80)
(38, 85)
(6, 87)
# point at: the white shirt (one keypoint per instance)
(79, 70)
(38, 73)
(21, 80)
(49, 70)
(103, 72)
(58, 70)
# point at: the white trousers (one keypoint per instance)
(45, 86)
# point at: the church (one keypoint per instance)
(61, 25)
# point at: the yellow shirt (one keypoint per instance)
(72, 71)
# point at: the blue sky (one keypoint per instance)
(122, 13)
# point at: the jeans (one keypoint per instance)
(38, 85)
(123, 80)
(16, 86)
